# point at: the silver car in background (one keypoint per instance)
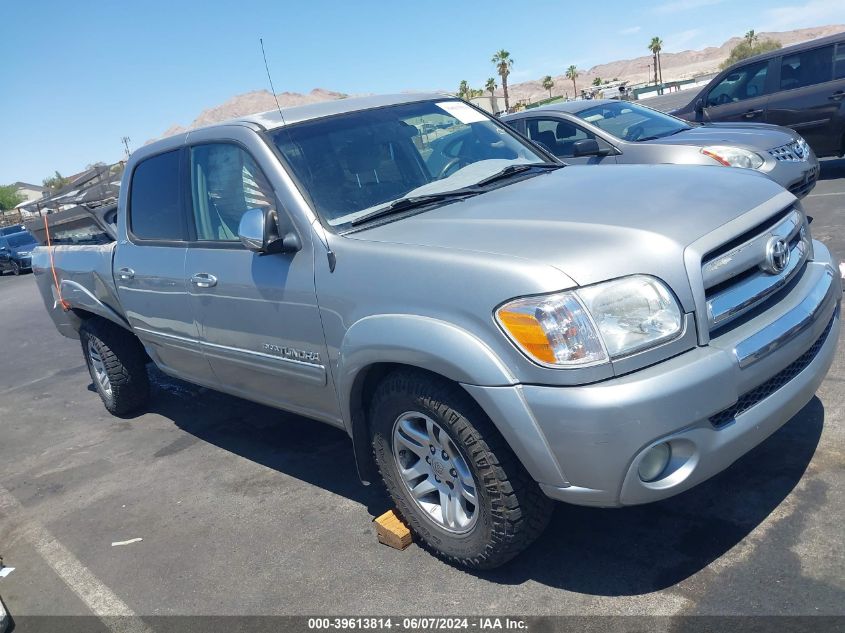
(600, 132)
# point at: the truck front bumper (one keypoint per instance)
(707, 405)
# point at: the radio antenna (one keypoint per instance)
(272, 89)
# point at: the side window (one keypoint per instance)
(225, 182)
(743, 83)
(558, 135)
(839, 65)
(155, 212)
(806, 68)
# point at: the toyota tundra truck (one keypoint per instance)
(491, 337)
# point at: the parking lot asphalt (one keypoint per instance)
(247, 510)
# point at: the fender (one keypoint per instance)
(444, 349)
(80, 297)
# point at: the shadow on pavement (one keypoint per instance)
(608, 552)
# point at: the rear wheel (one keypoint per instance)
(451, 474)
(117, 364)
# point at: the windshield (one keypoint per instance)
(355, 163)
(25, 239)
(631, 122)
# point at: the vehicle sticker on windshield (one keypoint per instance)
(461, 111)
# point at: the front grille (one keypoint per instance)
(780, 379)
(793, 152)
(742, 275)
(801, 189)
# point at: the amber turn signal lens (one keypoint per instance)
(526, 330)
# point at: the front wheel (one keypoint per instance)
(451, 474)
(16, 269)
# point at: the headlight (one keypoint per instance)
(592, 324)
(23, 253)
(733, 156)
(803, 148)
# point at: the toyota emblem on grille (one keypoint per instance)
(777, 256)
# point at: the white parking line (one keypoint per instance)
(831, 193)
(96, 596)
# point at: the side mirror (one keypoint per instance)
(588, 147)
(259, 232)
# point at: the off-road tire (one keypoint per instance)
(125, 363)
(513, 511)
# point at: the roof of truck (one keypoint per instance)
(272, 119)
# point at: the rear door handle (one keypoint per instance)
(750, 114)
(125, 274)
(204, 280)
(837, 96)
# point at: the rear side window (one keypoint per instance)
(839, 66)
(155, 210)
(806, 68)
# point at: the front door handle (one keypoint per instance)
(837, 96)
(125, 274)
(204, 280)
(750, 114)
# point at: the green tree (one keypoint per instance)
(572, 73)
(750, 46)
(504, 63)
(655, 47)
(548, 84)
(9, 197)
(491, 86)
(463, 90)
(56, 181)
(597, 81)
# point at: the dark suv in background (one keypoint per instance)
(801, 86)
(15, 251)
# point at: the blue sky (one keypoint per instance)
(77, 76)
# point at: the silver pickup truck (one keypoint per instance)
(489, 335)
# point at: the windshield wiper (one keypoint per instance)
(657, 136)
(510, 170)
(412, 202)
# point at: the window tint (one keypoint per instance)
(806, 68)
(839, 66)
(743, 83)
(556, 134)
(155, 211)
(225, 182)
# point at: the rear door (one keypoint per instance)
(741, 95)
(809, 96)
(149, 268)
(259, 323)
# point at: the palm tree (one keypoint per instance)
(463, 90)
(572, 73)
(548, 84)
(491, 86)
(504, 63)
(655, 47)
(751, 37)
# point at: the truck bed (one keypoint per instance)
(84, 274)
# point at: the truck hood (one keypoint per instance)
(758, 136)
(592, 224)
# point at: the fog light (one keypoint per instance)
(654, 462)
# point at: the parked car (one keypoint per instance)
(8, 230)
(489, 333)
(603, 132)
(801, 87)
(15, 252)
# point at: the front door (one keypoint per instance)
(807, 100)
(149, 269)
(259, 324)
(741, 95)
(559, 136)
